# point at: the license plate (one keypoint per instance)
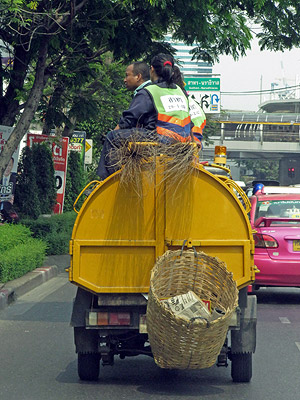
(296, 245)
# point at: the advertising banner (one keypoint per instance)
(78, 138)
(8, 183)
(59, 148)
(76, 147)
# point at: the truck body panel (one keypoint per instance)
(120, 231)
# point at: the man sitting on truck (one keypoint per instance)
(158, 112)
(137, 77)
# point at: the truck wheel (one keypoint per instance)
(241, 367)
(88, 366)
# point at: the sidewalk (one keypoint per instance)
(52, 266)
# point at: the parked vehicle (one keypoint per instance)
(10, 217)
(250, 190)
(275, 217)
(118, 235)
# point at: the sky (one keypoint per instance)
(258, 69)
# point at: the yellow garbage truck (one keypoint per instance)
(121, 231)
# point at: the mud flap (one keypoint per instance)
(82, 302)
(244, 339)
(86, 340)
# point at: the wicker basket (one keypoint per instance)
(176, 342)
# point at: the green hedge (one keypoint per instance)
(12, 235)
(20, 253)
(23, 247)
(56, 230)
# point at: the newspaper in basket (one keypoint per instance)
(178, 342)
(188, 305)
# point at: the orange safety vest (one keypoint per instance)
(173, 118)
(198, 118)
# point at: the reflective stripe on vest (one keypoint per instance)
(173, 119)
(198, 118)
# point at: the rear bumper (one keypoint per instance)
(276, 272)
(86, 302)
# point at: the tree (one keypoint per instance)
(44, 176)
(75, 180)
(97, 103)
(35, 188)
(27, 201)
(263, 169)
(46, 40)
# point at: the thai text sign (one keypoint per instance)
(206, 91)
(211, 84)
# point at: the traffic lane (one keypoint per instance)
(36, 341)
(278, 341)
(139, 375)
(279, 303)
(140, 378)
(40, 361)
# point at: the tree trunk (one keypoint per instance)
(30, 108)
(48, 122)
(69, 127)
(9, 106)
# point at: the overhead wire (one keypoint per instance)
(258, 92)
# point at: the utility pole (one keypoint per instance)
(260, 96)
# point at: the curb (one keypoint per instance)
(13, 289)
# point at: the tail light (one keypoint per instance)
(265, 241)
(109, 318)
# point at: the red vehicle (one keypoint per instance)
(275, 217)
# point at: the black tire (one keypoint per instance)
(255, 287)
(88, 366)
(241, 367)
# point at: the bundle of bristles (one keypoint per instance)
(136, 155)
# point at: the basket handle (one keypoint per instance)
(196, 256)
(182, 248)
(196, 272)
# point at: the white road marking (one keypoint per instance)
(298, 345)
(284, 320)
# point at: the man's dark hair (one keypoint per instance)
(140, 67)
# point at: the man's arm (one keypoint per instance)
(140, 106)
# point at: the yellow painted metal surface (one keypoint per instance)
(121, 230)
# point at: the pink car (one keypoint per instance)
(276, 219)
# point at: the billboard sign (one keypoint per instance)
(8, 183)
(78, 137)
